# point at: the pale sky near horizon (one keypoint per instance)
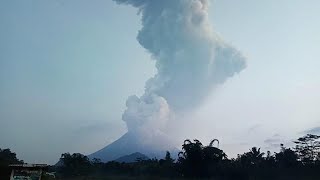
(67, 68)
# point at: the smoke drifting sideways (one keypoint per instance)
(191, 60)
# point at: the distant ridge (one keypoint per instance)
(132, 158)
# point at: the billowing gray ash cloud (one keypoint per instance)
(191, 59)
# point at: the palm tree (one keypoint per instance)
(213, 154)
(214, 140)
(256, 154)
(252, 158)
(196, 159)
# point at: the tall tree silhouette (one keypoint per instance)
(197, 160)
(213, 154)
(191, 158)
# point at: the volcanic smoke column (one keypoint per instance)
(190, 59)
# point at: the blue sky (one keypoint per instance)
(67, 68)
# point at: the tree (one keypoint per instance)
(168, 158)
(253, 158)
(197, 160)
(213, 154)
(307, 148)
(191, 158)
(75, 165)
(167, 166)
(286, 157)
(270, 160)
(7, 157)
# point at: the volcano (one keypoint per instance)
(191, 60)
(154, 146)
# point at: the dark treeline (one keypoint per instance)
(197, 161)
(208, 161)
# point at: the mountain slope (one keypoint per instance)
(132, 158)
(153, 147)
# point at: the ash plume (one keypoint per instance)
(191, 60)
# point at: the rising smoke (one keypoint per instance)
(191, 59)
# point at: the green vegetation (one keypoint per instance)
(6, 158)
(197, 161)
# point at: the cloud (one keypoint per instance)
(274, 142)
(103, 132)
(191, 60)
(315, 130)
(254, 128)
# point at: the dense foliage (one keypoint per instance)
(197, 161)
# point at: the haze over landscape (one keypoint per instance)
(68, 67)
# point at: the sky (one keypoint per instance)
(67, 68)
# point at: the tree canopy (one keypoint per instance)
(197, 161)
